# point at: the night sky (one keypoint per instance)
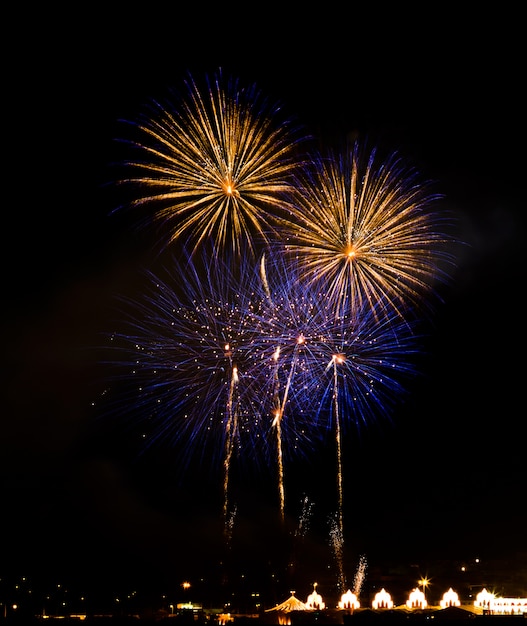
(446, 478)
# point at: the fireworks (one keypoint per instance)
(338, 373)
(189, 353)
(287, 317)
(216, 164)
(370, 358)
(253, 364)
(366, 231)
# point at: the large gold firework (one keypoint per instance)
(366, 231)
(216, 165)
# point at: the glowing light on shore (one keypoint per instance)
(416, 600)
(382, 600)
(450, 598)
(349, 601)
(484, 599)
(495, 605)
(314, 600)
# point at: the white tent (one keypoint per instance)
(291, 604)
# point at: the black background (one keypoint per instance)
(447, 479)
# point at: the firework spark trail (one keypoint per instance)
(229, 526)
(277, 424)
(366, 231)
(286, 284)
(278, 405)
(231, 429)
(336, 359)
(216, 164)
(305, 517)
(360, 575)
(287, 314)
(337, 542)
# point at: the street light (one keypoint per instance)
(424, 582)
(185, 586)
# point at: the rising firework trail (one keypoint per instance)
(277, 421)
(280, 396)
(337, 359)
(231, 429)
(214, 163)
(288, 312)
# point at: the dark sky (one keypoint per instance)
(448, 477)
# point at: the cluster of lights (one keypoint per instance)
(485, 601)
(510, 606)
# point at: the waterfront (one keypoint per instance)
(248, 598)
(363, 617)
